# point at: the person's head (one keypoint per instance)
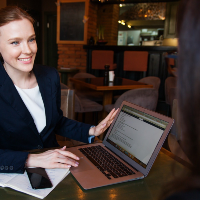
(17, 39)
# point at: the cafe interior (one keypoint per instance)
(107, 52)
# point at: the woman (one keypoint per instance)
(188, 186)
(30, 112)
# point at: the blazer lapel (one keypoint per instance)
(9, 93)
(46, 91)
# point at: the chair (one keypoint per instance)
(151, 80)
(136, 61)
(101, 58)
(171, 64)
(170, 92)
(84, 105)
(67, 106)
(68, 103)
(144, 97)
(83, 92)
(83, 75)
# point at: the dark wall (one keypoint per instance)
(26, 4)
(37, 9)
(34, 8)
(49, 6)
(49, 9)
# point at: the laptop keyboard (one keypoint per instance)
(106, 162)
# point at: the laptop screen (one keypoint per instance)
(136, 134)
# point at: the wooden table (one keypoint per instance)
(101, 84)
(148, 188)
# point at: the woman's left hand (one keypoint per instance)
(104, 124)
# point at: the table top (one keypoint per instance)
(148, 188)
(101, 84)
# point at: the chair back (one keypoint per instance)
(135, 61)
(63, 86)
(83, 75)
(67, 106)
(76, 106)
(144, 97)
(171, 64)
(78, 87)
(68, 103)
(101, 58)
(151, 80)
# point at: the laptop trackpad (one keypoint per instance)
(84, 165)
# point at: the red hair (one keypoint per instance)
(13, 13)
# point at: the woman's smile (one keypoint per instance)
(25, 60)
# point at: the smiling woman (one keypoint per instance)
(18, 48)
(30, 97)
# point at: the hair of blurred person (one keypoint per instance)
(188, 84)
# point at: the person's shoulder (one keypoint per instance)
(188, 195)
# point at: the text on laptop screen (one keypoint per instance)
(136, 134)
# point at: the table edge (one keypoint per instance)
(176, 158)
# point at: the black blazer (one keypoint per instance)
(17, 128)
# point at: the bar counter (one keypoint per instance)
(156, 62)
(131, 48)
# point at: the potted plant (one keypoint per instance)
(101, 40)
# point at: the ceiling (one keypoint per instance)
(130, 1)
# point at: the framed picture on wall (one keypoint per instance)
(72, 21)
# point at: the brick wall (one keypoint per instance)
(92, 22)
(108, 17)
(73, 55)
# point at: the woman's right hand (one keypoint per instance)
(58, 158)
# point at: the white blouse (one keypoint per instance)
(33, 100)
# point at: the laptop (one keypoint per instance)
(128, 150)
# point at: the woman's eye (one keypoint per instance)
(32, 40)
(15, 43)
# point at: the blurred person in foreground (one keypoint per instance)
(187, 187)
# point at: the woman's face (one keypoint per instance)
(18, 45)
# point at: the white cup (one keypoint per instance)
(111, 76)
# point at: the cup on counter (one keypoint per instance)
(111, 76)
